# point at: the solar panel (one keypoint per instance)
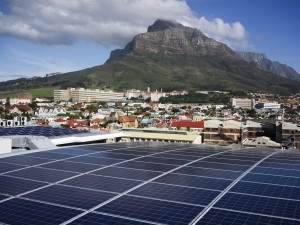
(147, 166)
(20, 211)
(25, 160)
(262, 205)
(218, 216)
(175, 193)
(97, 182)
(163, 160)
(95, 160)
(6, 167)
(71, 166)
(70, 196)
(150, 183)
(50, 155)
(271, 190)
(151, 210)
(276, 171)
(196, 171)
(193, 181)
(97, 218)
(269, 179)
(39, 130)
(15, 186)
(42, 174)
(128, 173)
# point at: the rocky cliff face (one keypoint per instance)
(169, 38)
(266, 64)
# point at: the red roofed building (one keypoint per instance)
(128, 121)
(77, 124)
(19, 109)
(191, 125)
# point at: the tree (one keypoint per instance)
(92, 108)
(7, 103)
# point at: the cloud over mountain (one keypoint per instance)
(108, 23)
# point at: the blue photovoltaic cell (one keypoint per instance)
(50, 155)
(96, 219)
(230, 161)
(73, 151)
(20, 211)
(15, 186)
(6, 167)
(42, 174)
(133, 152)
(70, 196)
(114, 155)
(286, 156)
(175, 193)
(276, 171)
(127, 173)
(262, 205)
(163, 160)
(223, 166)
(191, 153)
(176, 156)
(147, 166)
(192, 181)
(102, 183)
(198, 171)
(95, 160)
(280, 165)
(269, 179)
(217, 217)
(267, 190)
(230, 156)
(71, 166)
(3, 197)
(152, 210)
(24, 160)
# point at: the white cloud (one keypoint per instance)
(109, 23)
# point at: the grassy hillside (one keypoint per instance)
(139, 71)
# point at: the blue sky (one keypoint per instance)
(40, 37)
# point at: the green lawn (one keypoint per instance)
(36, 93)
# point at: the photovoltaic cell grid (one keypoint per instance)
(39, 131)
(150, 183)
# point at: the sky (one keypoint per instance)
(47, 36)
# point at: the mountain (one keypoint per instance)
(266, 64)
(168, 56)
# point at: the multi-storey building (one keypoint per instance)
(244, 103)
(87, 95)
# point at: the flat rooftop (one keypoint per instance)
(150, 183)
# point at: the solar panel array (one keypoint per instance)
(150, 183)
(39, 131)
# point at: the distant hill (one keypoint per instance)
(261, 60)
(172, 57)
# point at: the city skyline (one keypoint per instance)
(37, 38)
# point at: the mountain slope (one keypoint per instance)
(266, 64)
(169, 56)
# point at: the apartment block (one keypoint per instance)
(244, 103)
(87, 95)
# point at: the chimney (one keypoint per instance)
(148, 89)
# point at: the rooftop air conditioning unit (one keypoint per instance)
(3, 123)
(9, 123)
(23, 120)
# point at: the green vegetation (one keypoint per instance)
(169, 72)
(36, 92)
(216, 98)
